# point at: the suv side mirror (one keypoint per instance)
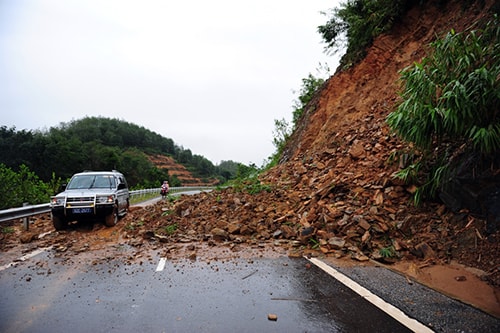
(62, 188)
(121, 186)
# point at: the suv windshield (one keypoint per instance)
(91, 181)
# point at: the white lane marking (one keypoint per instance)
(161, 264)
(25, 257)
(391, 310)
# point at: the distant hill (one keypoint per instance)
(98, 143)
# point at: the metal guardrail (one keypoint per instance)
(21, 212)
(172, 190)
(27, 211)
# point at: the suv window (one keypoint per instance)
(91, 181)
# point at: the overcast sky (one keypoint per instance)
(211, 75)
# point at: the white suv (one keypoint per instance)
(89, 195)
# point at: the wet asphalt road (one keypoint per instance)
(48, 294)
(233, 296)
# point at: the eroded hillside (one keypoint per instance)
(178, 170)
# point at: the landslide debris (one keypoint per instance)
(334, 191)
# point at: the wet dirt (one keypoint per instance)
(457, 281)
(453, 280)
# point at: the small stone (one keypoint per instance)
(287, 231)
(357, 150)
(366, 237)
(364, 224)
(295, 254)
(162, 238)
(149, 234)
(359, 257)
(27, 238)
(219, 234)
(272, 317)
(233, 228)
(277, 233)
(425, 250)
(336, 243)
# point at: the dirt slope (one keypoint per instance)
(362, 96)
(179, 171)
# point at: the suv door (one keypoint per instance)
(122, 195)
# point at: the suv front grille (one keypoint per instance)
(80, 199)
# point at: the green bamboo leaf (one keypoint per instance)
(451, 99)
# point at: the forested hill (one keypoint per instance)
(97, 143)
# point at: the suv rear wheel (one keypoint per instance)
(112, 218)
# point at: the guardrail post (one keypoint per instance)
(26, 219)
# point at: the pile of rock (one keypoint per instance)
(343, 201)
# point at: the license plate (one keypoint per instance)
(82, 210)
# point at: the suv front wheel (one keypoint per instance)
(111, 219)
(59, 223)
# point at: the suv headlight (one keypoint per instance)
(57, 201)
(105, 199)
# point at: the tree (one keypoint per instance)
(281, 133)
(450, 107)
(228, 169)
(310, 87)
(134, 164)
(23, 186)
(358, 22)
